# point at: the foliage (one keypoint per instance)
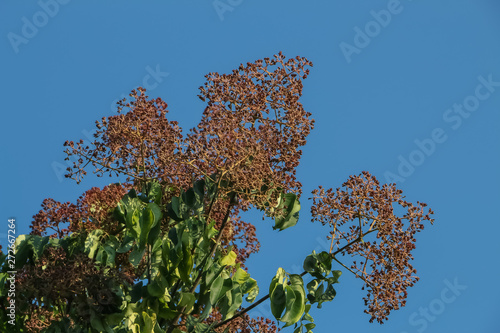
(165, 250)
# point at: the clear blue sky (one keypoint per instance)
(406, 89)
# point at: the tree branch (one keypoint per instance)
(212, 252)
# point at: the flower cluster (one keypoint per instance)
(249, 136)
(140, 144)
(244, 324)
(253, 127)
(364, 208)
(55, 279)
(93, 210)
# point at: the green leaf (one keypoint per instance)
(155, 289)
(127, 243)
(92, 242)
(23, 250)
(154, 192)
(317, 292)
(3, 286)
(210, 231)
(318, 265)
(187, 300)
(229, 259)
(277, 293)
(290, 208)
(290, 303)
(335, 277)
(120, 211)
(132, 221)
(111, 254)
(148, 323)
(247, 284)
(295, 301)
(173, 209)
(156, 210)
(310, 264)
(240, 276)
(146, 221)
(154, 233)
(307, 316)
(38, 244)
(236, 301)
(199, 190)
(136, 255)
(186, 265)
(252, 289)
(219, 288)
(309, 327)
(211, 186)
(189, 198)
(97, 323)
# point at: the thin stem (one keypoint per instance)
(350, 270)
(242, 312)
(352, 242)
(333, 235)
(104, 166)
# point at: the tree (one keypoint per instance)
(165, 249)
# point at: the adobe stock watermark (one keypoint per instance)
(363, 36)
(48, 10)
(454, 116)
(150, 81)
(422, 318)
(223, 6)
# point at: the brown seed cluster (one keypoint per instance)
(363, 209)
(140, 144)
(250, 135)
(253, 127)
(244, 324)
(56, 279)
(93, 210)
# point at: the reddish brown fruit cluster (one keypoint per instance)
(249, 136)
(58, 279)
(364, 207)
(253, 127)
(93, 210)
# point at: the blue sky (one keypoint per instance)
(408, 90)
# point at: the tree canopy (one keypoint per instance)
(163, 249)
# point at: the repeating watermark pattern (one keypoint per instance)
(30, 27)
(373, 28)
(221, 7)
(454, 117)
(150, 81)
(422, 318)
(11, 264)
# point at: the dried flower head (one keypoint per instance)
(140, 143)
(361, 208)
(249, 135)
(93, 210)
(253, 127)
(56, 278)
